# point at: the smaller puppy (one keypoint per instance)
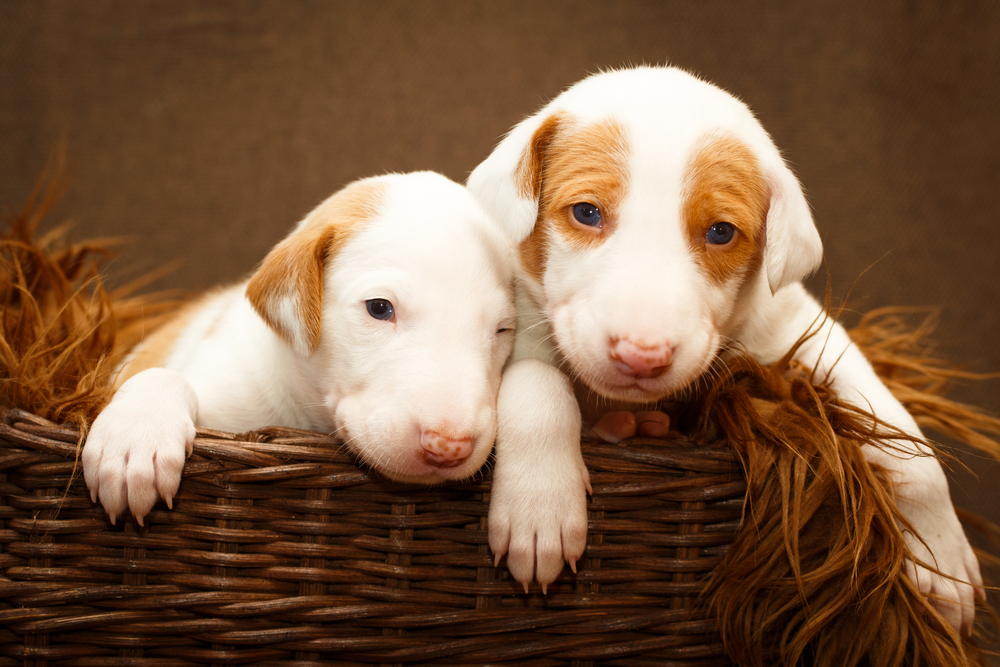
(384, 318)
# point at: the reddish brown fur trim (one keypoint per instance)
(296, 264)
(815, 575)
(902, 356)
(62, 334)
(724, 183)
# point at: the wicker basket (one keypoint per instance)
(281, 550)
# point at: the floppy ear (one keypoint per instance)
(287, 289)
(508, 183)
(793, 249)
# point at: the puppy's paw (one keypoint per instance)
(539, 523)
(617, 426)
(952, 588)
(136, 447)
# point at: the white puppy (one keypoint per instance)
(384, 318)
(658, 226)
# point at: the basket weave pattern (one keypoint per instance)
(281, 550)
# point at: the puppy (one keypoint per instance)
(384, 318)
(657, 225)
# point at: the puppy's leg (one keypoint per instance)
(940, 541)
(136, 448)
(538, 504)
(922, 490)
(922, 487)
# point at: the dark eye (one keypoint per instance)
(380, 309)
(720, 233)
(587, 214)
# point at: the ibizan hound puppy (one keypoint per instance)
(384, 318)
(657, 225)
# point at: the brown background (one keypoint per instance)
(205, 130)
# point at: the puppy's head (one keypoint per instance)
(396, 296)
(651, 210)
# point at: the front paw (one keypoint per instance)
(617, 426)
(955, 580)
(539, 521)
(134, 455)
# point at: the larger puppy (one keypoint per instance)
(657, 226)
(384, 318)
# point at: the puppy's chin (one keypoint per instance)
(402, 459)
(413, 470)
(610, 383)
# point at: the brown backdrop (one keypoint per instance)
(205, 130)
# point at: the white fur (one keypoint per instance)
(643, 284)
(389, 389)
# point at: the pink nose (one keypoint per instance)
(445, 450)
(639, 359)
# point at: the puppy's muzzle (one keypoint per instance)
(639, 359)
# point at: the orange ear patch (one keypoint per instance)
(724, 183)
(569, 166)
(287, 289)
(528, 176)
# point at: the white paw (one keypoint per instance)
(538, 517)
(136, 448)
(953, 588)
(940, 542)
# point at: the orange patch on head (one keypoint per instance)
(292, 273)
(564, 166)
(724, 183)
